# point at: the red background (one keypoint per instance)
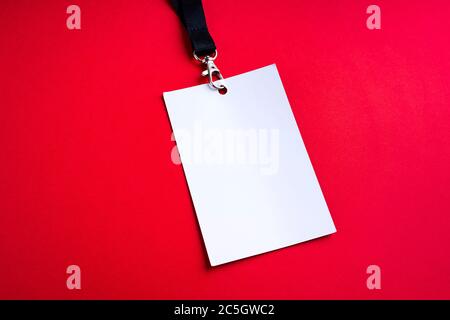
(86, 176)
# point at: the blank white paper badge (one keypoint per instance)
(251, 181)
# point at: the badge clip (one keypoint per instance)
(212, 72)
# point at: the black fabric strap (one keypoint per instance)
(193, 18)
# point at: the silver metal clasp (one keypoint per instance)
(212, 72)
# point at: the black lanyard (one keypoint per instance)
(204, 49)
(193, 18)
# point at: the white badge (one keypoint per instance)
(251, 181)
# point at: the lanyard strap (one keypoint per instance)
(204, 49)
(193, 18)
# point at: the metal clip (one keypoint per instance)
(212, 72)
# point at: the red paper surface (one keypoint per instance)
(86, 175)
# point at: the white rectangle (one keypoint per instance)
(251, 181)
